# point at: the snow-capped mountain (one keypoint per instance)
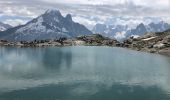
(112, 31)
(50, 25)
(159, 27)
(139, 30)
(108, 30)
(123, 31)
(4, 27)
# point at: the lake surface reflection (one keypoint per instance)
(82, 73)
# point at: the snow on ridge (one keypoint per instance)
(56, 19)
(2, 28)
(34, 26)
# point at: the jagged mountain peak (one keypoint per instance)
(52, 14)
(141, 25)
(55, 14)
(69, 17)
(50, 25)
(162, 22)
(52, 11)
(140, 29)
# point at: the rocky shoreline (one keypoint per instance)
(158, 42)
(88, 40)
(151, 42)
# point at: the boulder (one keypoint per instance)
(159, 45)
(166, 39)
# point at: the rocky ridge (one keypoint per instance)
(86, 40)
(156, 42)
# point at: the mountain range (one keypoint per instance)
(123, 31)
(4, 27)
(50, 25)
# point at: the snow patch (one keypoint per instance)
(64, 30)
(147, 39)
(56, 19)
(159, 45)
(2, 28)
(135, 36)
(33, 26)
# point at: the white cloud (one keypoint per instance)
(155, 3)
(82, 10)
(17, 11)
(167, 19)
(84, 21)
(14, 22)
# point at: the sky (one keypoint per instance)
(88, 12)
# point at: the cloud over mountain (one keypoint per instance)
(98, 10)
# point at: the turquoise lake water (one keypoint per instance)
(82, 73)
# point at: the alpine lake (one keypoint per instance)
(83, 73)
